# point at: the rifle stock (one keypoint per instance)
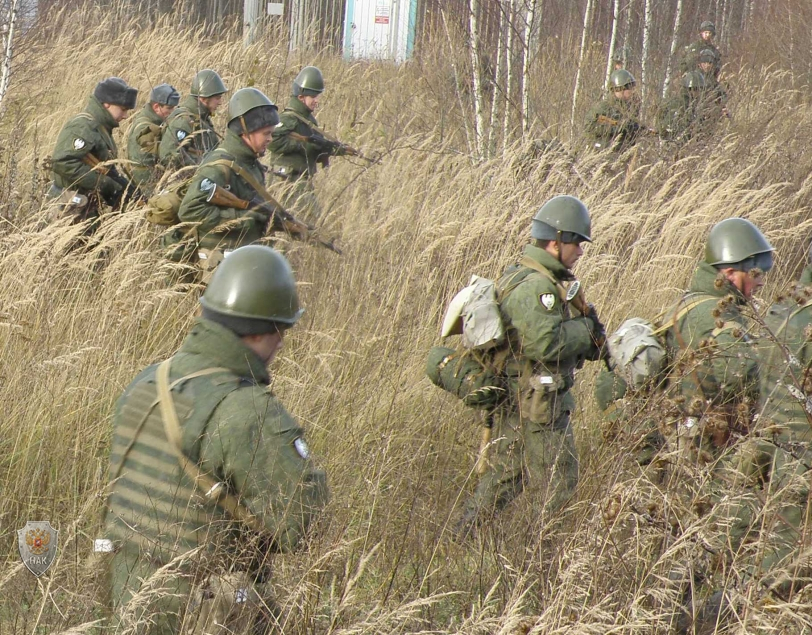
(287, 221)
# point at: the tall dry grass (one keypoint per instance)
(75, 329)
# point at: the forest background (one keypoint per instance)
(453, 195)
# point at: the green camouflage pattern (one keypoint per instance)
(189, 135)
(143, 140)
(243, 228)
(90, 132)
(690, 57)
(234, 428)
(617, 136)
(685, 116)
(730, 373)
(532, 424)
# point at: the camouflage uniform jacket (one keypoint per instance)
(690, 57)
(143, 140)
(243, 229)
(237, 432)
(189, 135)
(725, 369)
(546, 343)
(786, 357)
(290, 157)
(89, 132)
(613, 123)
(684, 116)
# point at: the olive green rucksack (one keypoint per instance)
(459, 373)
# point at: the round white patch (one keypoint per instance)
(206, 185)
(78, 144)
(547, 300)
(181, 135)
(301, 447)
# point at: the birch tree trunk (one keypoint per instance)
(498, 95)
(469, 137)
(8, 49)
(510, 78)
(250, 20)
(529, 24)
(587, 20)
(644, 74)
(669, 67)
(476, 66)
(612, 41)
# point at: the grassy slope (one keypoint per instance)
(398, 452)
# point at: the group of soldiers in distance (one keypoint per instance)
(614, 123)
(210, 475)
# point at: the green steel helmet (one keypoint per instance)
(707, 55)
(207, 83)
(249, 109)
(562, 217)
(252, 289)
(707, 25)
(738, 244)
(309, 82)
(693, 80)
(165, 95)
(621, 78)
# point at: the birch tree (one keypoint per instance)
(529, 24)
(644, 74)
(9, 29)
(510, 78)
(670, 65)
(498, 95)
(476, 66)
(587, 21)
(613, 40)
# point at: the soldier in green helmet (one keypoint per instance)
(689, 113)
(145, 133)
(711, 341)
(79, 185)
(216, 227)
(713, 87)
(690, 55)
(614, 121)
(546, 342)
(210, 475)
(190, 133)
(299, 146)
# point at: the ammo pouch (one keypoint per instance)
(537, 396)
(464, 377)
(163, 207)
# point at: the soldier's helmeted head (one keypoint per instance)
(560, 226)
(707, 30)
(116, 96)
(693, 83)
(252, 116)
(253, 294)
(621, 84)
(209, 88)
(706, 61)
(738, 249)
(308, 86)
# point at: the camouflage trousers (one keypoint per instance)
(524, 455)
(762, 503)
(298, 196)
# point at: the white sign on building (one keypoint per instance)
(380, 29)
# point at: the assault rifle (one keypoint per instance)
(273, 213)
(130, 190)
(331, 145)
(608, 121)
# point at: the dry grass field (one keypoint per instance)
(399, 453)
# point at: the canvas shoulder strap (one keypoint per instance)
(528, 262)
(211, 489)
(684, 308)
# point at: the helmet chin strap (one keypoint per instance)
(559, 245)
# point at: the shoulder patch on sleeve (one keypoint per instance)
(78, 143)
(547, 300)
(181, 135)
(301, 447)
(206, 185)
